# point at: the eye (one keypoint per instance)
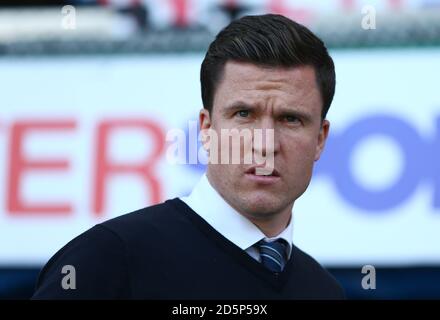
(243, 113)
(291, 119)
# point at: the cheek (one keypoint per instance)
(300, 153)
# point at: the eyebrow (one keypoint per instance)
(239, 105)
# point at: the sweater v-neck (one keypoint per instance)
(276, 280)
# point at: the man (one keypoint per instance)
(231, 238)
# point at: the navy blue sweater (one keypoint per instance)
(168, 251)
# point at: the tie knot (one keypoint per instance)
(273, 254)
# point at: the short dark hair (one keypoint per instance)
(267, 40)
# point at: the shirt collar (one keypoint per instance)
(210, 205)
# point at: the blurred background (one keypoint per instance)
(90, 89)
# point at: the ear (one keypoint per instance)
(322, 138)
(204, 119)
(205, 125)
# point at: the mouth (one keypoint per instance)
(263, 172)
(264, 176)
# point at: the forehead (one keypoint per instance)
(247, 81)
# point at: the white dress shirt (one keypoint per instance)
(210, 205)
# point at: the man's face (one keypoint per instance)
(286, 100)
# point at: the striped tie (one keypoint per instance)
(273, 254)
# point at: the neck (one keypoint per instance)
(275, 224)
(271, 224)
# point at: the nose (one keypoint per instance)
(265, 138)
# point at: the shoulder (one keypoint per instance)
(316, 275)
(99, 256)
(149, 222)
(96, 266)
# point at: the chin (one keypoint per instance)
(263, 203)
